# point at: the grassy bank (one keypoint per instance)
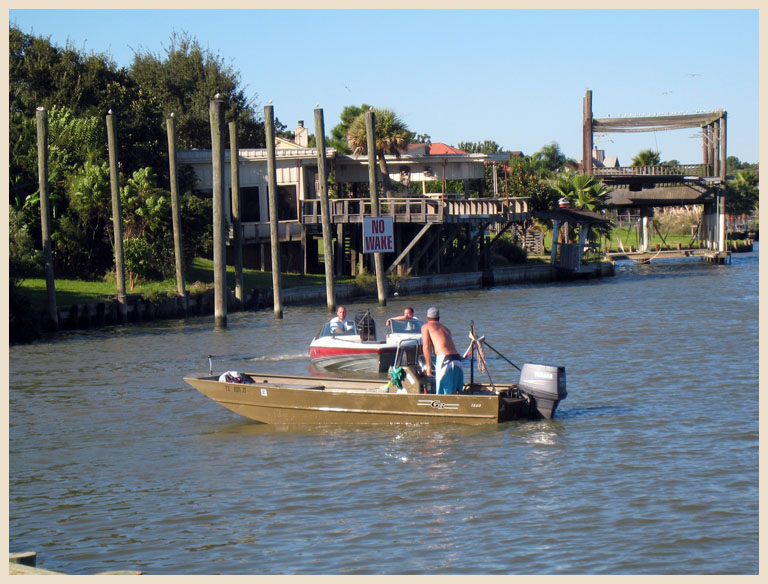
(199, 276)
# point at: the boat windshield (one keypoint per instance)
(326, 332)
(409, 326)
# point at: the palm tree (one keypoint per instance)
(583, 191)
(551, 156)
(392, 137)
(647, 157)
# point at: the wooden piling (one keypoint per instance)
(587, 134)
(269, 128)
(322, 178)
(117, 216)
(45, 213)
(181, 289)
(219, 249)
(370, 127)
(234, 165)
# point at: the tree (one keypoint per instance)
(646, 157)
(81, 239)
(583, 191)
(484, 184)
(392, 137)
(149, 251)
(486, 147)
(528, 176)
(184, 81)
(742, 193)
(551, 157)
(338, 137)
(88, 85)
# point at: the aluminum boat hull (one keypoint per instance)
(291, 399)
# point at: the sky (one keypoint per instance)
(517, 77)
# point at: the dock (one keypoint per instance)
(646, 257)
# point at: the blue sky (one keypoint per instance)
(517, 77)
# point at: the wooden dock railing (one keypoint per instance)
(435, 209)
(698, 170)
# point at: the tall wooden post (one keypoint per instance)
(716, 147)
(269, 128)
(370, 130)
(721, 189)
(645, 235)
(339, 257)
(234, 164)
(117, 215)
(181, 289)
(219, 249)
(555, 241)
(322, 179)
(45, 213)
(723, 152)
(586, 160)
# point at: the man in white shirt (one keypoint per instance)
(340, 323)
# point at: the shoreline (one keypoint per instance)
(91, 315)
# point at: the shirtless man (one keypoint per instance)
(437, 339)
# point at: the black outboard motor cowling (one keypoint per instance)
(545, 384)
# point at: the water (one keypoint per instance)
(651, 466)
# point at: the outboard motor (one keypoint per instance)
(545, 384)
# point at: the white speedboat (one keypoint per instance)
(358, 350)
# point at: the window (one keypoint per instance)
(287, 206)
(249, 204)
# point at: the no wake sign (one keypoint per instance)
(378, 235)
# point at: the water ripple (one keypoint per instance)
(651, 466)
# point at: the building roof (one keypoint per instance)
(573, 216)
(439, 149)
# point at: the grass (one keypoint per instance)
(630, 237)
(70, 292)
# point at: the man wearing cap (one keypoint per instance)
(437, 339)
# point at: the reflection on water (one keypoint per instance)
(651, 465)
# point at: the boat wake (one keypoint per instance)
(276, 358)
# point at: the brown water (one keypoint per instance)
(650, 467)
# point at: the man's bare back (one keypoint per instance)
(437, 339)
